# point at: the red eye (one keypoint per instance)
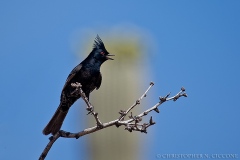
(102, 53)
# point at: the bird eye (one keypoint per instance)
(102, 53)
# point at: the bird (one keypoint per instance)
(88, 74)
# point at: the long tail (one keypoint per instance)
(56, 122)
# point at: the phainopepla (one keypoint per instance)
(88, 74)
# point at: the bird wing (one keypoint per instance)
(99, 81)
(72, 74)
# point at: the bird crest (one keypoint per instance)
(98, 43)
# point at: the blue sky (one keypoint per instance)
(197, 46)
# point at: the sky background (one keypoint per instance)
(196, 45)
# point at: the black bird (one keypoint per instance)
(88, 74)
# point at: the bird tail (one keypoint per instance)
(56, 122)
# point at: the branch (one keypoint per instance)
(49, 145)
(132, 124)
(124, 113)
(128, 123)
(90, 108)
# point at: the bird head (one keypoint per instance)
(99, 51)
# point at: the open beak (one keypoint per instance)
(109, 58)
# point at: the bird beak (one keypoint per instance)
(109, 58)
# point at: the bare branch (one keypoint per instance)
(124, 113)
(154, 108)
(90, 108)
(49, 145)
(132, 124)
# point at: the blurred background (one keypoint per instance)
(173, 43)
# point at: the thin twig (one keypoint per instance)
(124, 113)
(90, 108)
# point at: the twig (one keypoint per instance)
(155, 107)
(124, 113)
(90, 108)
(132, 124)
